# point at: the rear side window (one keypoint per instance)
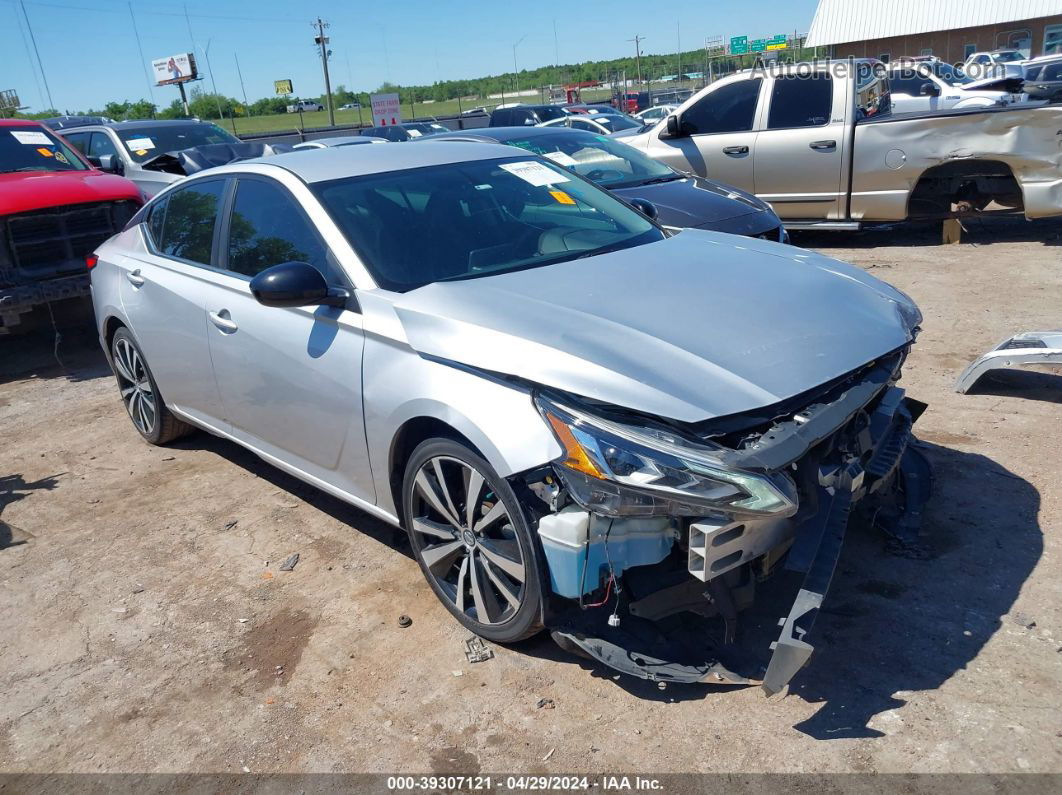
(191, 214)
(731, 108)
(269, 228)
(801, 101)
(156, 218)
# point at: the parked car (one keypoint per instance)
(55, 208)
(676, 201)
(339, 140)
(600, 123)
(144, 151)
(556, 400)
(632, 101)
(820, 143)
(1043, 78)
(932, 86)
(350, 106)
(997, 63)
(654, 114)
(529, 115)
(305, 105)
(475, 111)
(63, 122)
(407, 131)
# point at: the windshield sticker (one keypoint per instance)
(140, 144)
(414, 133)
(563, 158)
(534, 173)
(31, 138)
(44, 152)
(140, 152)
(61, 157)
(561, 197)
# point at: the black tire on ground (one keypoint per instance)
(516, 623)
(158, 427)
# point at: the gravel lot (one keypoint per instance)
(146, 626)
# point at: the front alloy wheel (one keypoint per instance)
(472, 541)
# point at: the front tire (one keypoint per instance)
(472, 541)
(140, 394)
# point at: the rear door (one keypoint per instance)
(289, 378)
(801, 146)
(162, 291)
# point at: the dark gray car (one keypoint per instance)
(1043, 79)
(680, 200)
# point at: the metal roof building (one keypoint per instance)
(948, 28)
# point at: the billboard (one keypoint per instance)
(386, 109)
(174, 69)
(282, 87)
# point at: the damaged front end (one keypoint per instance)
(649, 526)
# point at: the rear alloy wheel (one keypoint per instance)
(472, 541)
(140, 394)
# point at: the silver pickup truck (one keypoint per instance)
(820, 142)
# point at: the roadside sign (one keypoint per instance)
(174, 69)
(739, 45)
(283, 87)
(386, 109)
(779, 42)
(758, 45)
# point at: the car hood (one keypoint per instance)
(692, 201)
(25, 191)
(696, 326)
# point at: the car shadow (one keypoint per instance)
(893, 624)
(341, 511)
(1027, 384)
(70, 350)
(977, 231)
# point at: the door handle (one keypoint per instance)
(222, 320)
(735, 150)
(135, 278)
(823, 145)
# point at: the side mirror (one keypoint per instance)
(645, 207)
(673, 128)
(295, 284)
(110, 163)
(929, 90)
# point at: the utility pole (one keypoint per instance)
(143, 61)
(246, 104)
(638, 54)
(217, 97)
(322, 40)
(516, 69)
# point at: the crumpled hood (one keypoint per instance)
(25, 191)
(692, 201)
(697, 326)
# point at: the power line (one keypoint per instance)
(143, 60)
(29, 55)
(40, 63)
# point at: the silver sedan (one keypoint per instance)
(581, 421)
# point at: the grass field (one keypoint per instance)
(283, 122)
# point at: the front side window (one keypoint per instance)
(34, 148)
(910, 86)
(268, 228)
(100, 144)
(731, 108)
(145, 142)
(191, 213)
(801, 101)
(467, 220)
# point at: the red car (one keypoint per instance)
(55, 208)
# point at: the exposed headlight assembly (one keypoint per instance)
(617, 470)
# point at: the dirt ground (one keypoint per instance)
(145, 625)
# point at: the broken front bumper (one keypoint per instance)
(866, 459)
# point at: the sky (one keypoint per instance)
(90, 52)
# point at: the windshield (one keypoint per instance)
(949, 74)
(145, 142)
(551, 112)
(33, 148)
(609, 163)
(421, 129)
(617, 121)
(1007, 57)
(467, 220)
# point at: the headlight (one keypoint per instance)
(617, 470)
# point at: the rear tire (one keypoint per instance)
(479, 558)
(140, 394)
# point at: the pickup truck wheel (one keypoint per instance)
(140, 394)
(472, 541)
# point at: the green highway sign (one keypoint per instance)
(739, 45)
(778, 42)
(758, 45)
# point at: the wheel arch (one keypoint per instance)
(976, 180)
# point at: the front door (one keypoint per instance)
(289, 378)
(718, 141)
(801, 147)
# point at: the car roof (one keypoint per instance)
(19, 122)
(502, 134)
(321, 165)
